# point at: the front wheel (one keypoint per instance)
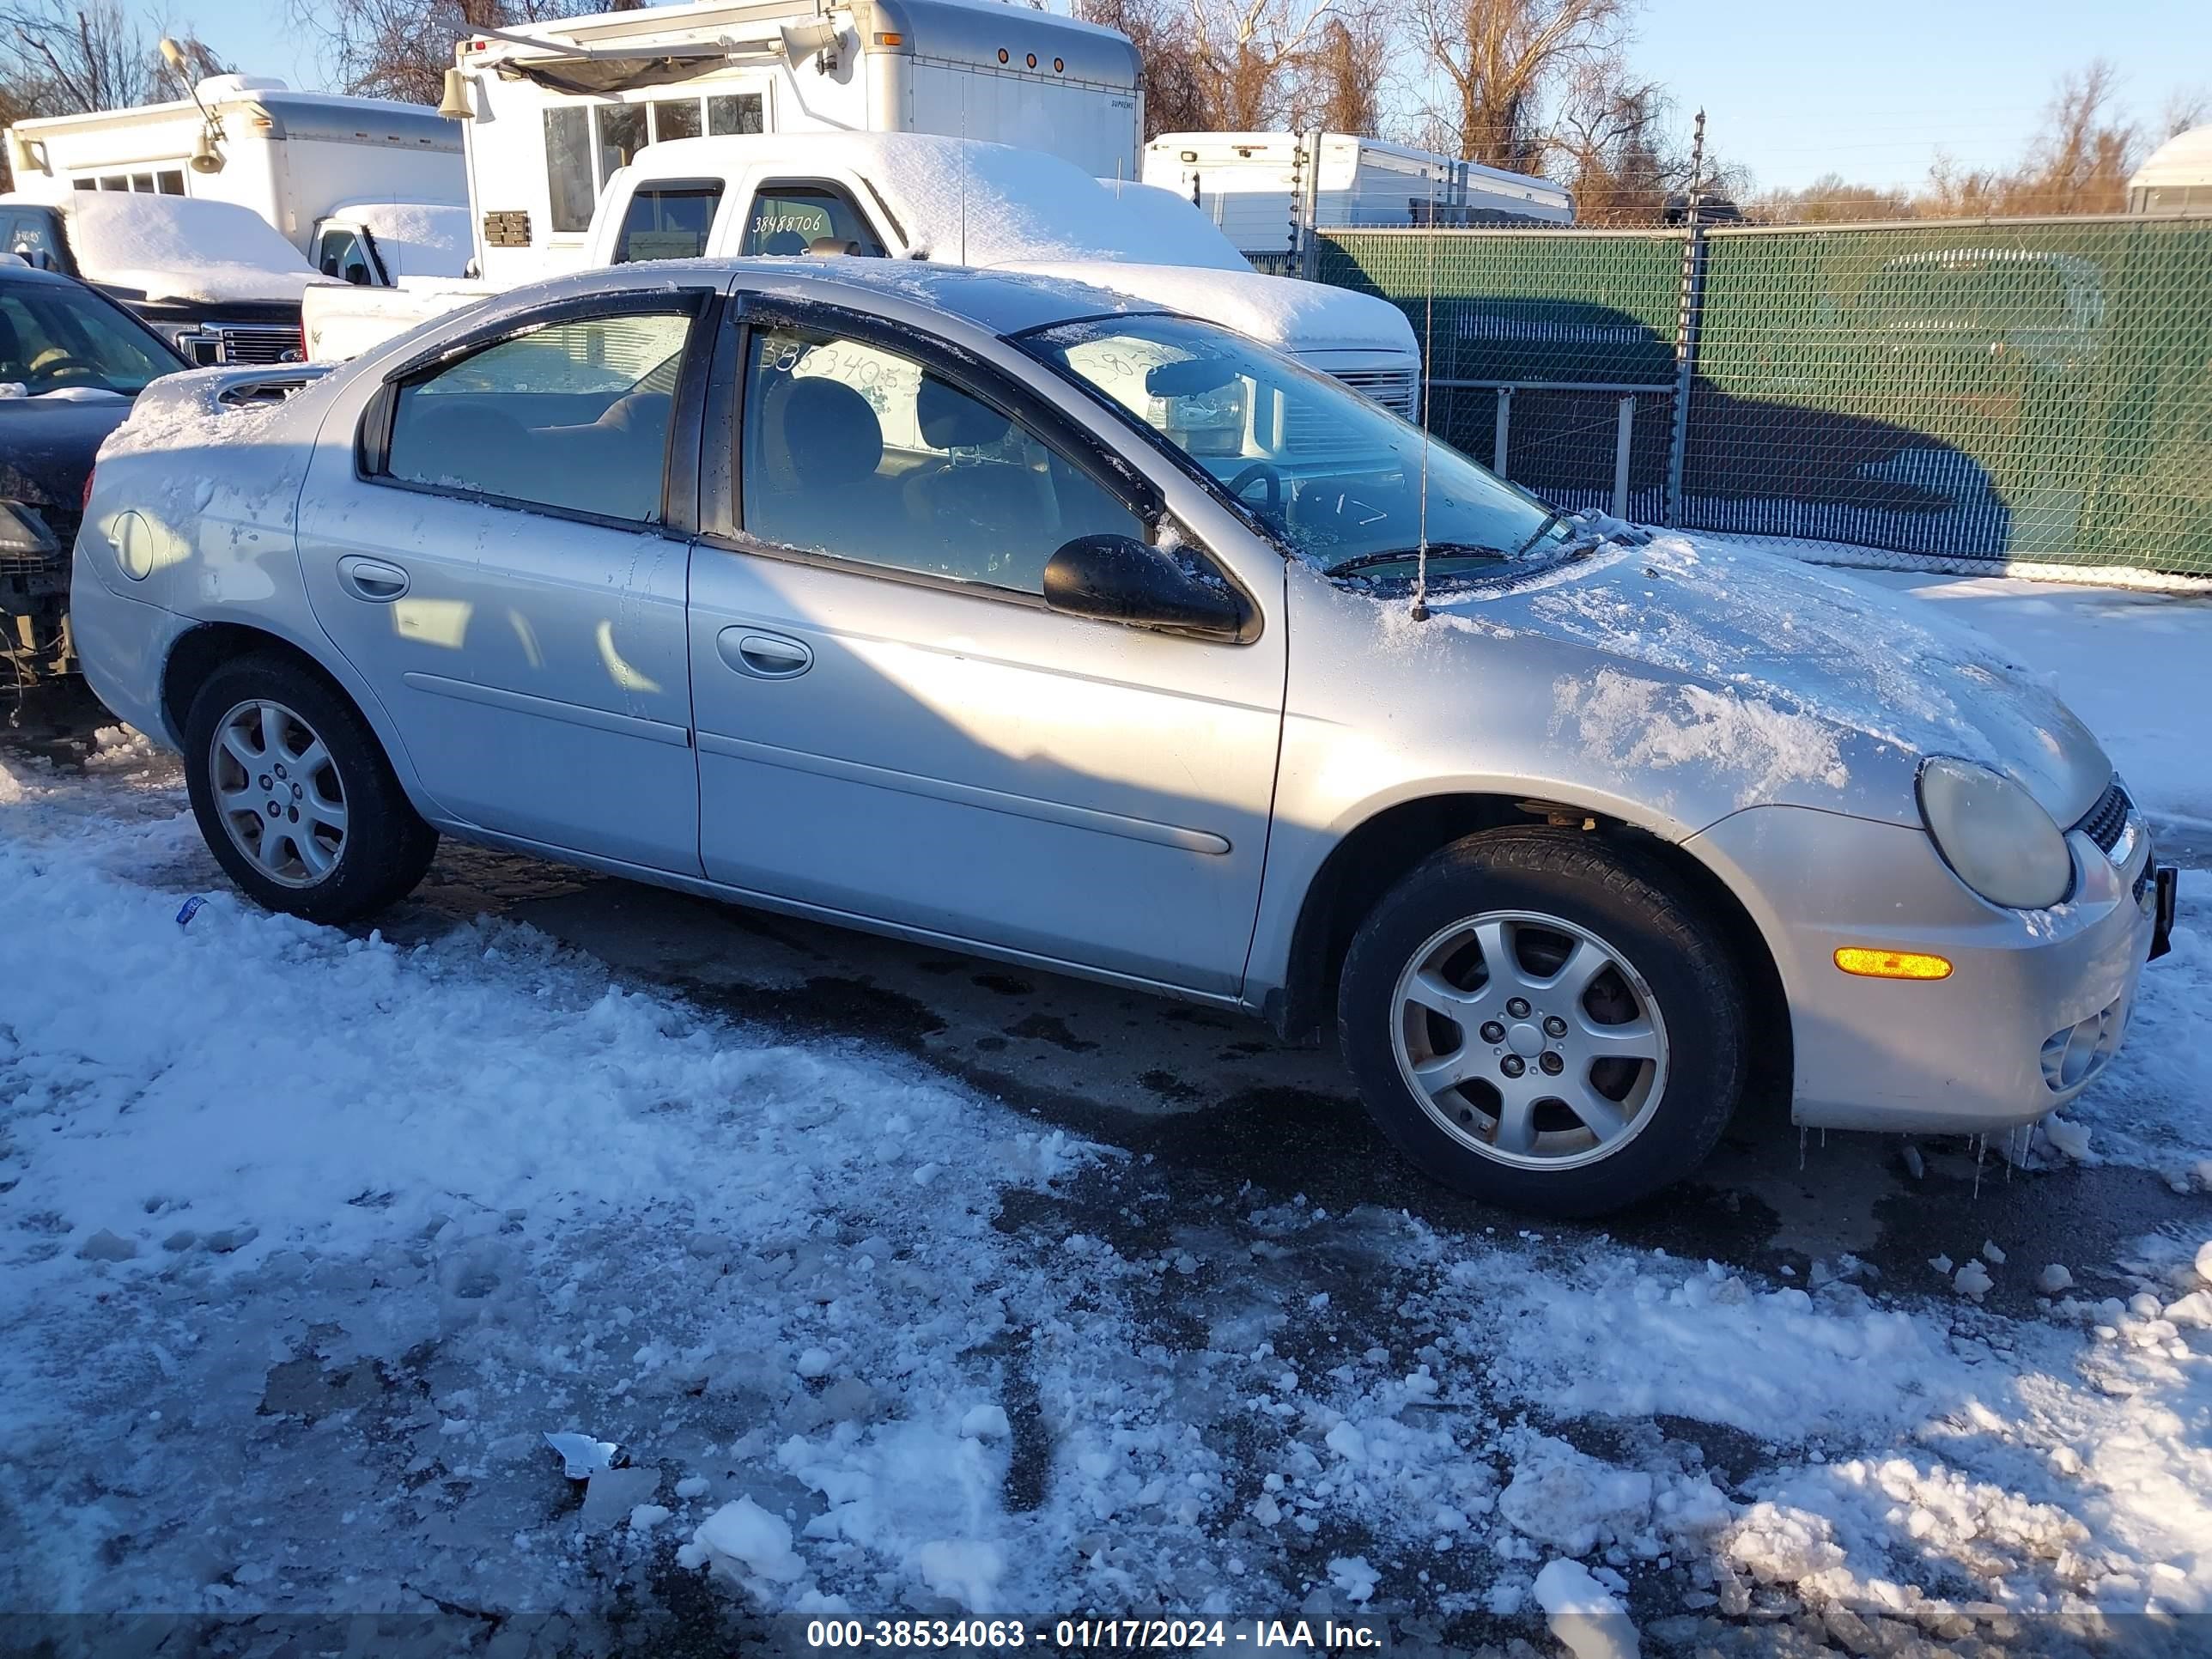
(294, 797)
(1545, 1022)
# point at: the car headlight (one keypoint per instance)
(1994, 836)
(24, 533)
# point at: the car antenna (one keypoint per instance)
(966, 160)
(1421, 612)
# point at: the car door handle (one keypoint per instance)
(371, 579)
(763, 656)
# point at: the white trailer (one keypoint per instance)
(1259, 187)
(331, 174)
(2177, 177)
(552, 110)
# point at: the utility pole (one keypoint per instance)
(1687, 316)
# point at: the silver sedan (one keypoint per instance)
(1010, 614)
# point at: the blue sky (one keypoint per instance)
(1872, 89)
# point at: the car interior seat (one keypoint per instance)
(984, 516)
(813, 482)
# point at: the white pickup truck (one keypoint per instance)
(908, 196)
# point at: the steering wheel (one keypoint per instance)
(54, 366)
(1260, 472)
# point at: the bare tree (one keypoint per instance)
(1174, 98)
(1831, 199)
(1499, 60)
(1247, 54)
(2079, 163)
(1340, 85)
(2184, 107)
(61, 59)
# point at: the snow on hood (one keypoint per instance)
(1294, 315)
(179, 248)
(414, 239)
(1803, 648)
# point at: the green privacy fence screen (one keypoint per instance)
(2029, 389)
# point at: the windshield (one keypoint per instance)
(1337, 478)
(57, 337)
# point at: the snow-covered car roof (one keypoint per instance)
(179, 247)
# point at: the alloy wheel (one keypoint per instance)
(1529, 1039)
(277, 792)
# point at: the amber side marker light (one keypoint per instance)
(1891, 964)
(887, 39)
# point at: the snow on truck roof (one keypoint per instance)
(973, 202)
(184, 247)
(964, 202)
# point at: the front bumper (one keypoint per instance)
(2035, 1006)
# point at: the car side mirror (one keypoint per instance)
(1122, 579)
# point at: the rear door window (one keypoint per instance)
(573, 416)
(667, 221)
(792, 216)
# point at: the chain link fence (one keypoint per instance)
(2034, 390)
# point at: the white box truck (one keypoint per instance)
(1259, 187)
(366, 189)
(550, 111)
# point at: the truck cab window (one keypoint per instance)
(340, 254)
(667, 221)
(568, 166)
(735, 112)
(792, 218)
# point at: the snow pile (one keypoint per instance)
(1572, 1502)
(1636, 1336)
(549, 1176)
(181, 248)
(1583, 1613)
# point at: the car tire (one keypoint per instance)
(269, 742)
(1635, 1011)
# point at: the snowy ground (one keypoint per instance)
(305, 1237)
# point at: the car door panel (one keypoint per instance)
(940, 750)
(536, 662)
(990, 771)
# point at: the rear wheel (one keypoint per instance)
(1545, 1022)
(294, 797)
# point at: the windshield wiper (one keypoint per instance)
(1542, 531)
(1406, 556)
